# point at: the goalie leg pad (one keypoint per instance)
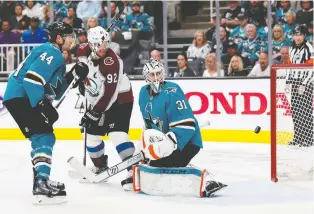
(124, 146)
(136, 179)
(183, 181)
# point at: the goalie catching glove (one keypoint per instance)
(158, 145)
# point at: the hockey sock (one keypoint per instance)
(42, 146)
(96, 153)
(125, 149)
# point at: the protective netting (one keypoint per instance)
(294, 123)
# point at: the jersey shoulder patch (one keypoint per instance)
(111, 64)
(171, 88)
(83, 50)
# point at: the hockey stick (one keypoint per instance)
(120, 5)
(90, 176)
(83, 130)
(85, 137)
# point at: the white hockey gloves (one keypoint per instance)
(157, 145)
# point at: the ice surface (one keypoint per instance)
(244, 167)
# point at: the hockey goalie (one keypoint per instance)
(110, 101)
(170, 140)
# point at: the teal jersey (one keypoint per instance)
(41, 74)
(169, 110)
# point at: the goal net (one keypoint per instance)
(292, 122)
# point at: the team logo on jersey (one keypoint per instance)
(171, 89)
(55, 89)
(108, 61)
(153, 123)
(91, 86)
(3, 110)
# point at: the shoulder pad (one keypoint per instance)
(83, 50)
(170, 89)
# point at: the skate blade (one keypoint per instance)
(128, 187)
(44, 200)
(218, 189)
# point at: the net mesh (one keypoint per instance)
(294, 123)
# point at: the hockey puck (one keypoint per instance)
(257, 129)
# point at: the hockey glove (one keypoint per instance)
(157, 145)
(46, 112)
(90, 118)
(79, 70)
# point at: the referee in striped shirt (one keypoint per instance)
(302, 90)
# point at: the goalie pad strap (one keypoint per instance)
(136, 179)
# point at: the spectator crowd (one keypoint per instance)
(244, 39)
(243, 33)
(26, 22)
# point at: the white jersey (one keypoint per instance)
(105, 84)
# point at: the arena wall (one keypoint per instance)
(233, 107)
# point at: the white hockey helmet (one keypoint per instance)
(97, 37)
(154, 74)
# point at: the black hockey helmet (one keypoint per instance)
(301, 29)
(59, 28)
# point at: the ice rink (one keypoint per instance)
(244, 167)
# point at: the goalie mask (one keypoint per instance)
(98, 40)
(154, 74)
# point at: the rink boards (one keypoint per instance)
(234, 107)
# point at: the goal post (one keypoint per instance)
(292, 121)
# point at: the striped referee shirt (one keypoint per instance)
(303, 54)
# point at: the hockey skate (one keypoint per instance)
(56, 185)
(44, 193)
(50, 183)
(127, 184)
(212, 187)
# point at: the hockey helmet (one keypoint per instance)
(97, 37)
(301, 29)
(59, 28)
(154, 74)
